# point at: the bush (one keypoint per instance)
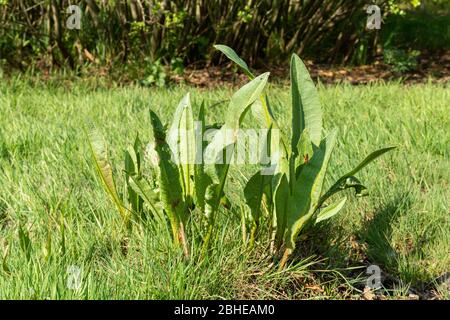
(417, 30)
(400, 60)
(118, 32)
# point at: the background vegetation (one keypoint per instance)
(148, 34)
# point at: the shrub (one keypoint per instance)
(155, 74)
(400, 60)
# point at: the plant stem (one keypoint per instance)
(218, 195)
(284, 259)
(243, 227)
(183, 240)
(206, 241)
(175, 232)
(252, 236)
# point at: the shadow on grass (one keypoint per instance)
(377, 232)
(350, 254)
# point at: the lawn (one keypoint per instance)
(56, 221)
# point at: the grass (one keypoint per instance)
(49, 190)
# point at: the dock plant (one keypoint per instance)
(295, 189)
(178, 181)
(186, 175)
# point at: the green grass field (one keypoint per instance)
(54, 214)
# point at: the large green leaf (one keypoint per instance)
(238, 107)
(307, 189)
(266, 110)
(282, 164)
(233, 56)
(99, 153)
(243, 98)
(220, 150)
(306, 109)
(181, 140)
(343, 183)
(280, 199)
(223, 142)
(222, 145)
(326, 147)
(201, 178)
(169, 180)
(265, 181)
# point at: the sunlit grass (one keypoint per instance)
(49, 188)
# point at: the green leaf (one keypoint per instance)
(133, 168)
(331, 210)
(148, 194)
(233, 56)
(353, 182)
(282, 166)
(238, 107)
(326, 148)
(306, 109)
(171, 192)
(133, 158)
(201, 178)
(257, 111)
(223, 139)
(181, 140)
(305, 149)
(131, 162)
(281, 208)
(243, 99)
(210, 200)
(282, 170)
(254, 191)
(99, 153)
(342, 183)
(273, 157)
(368, 160)
(307, 189)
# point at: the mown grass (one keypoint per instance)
(48, 188)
